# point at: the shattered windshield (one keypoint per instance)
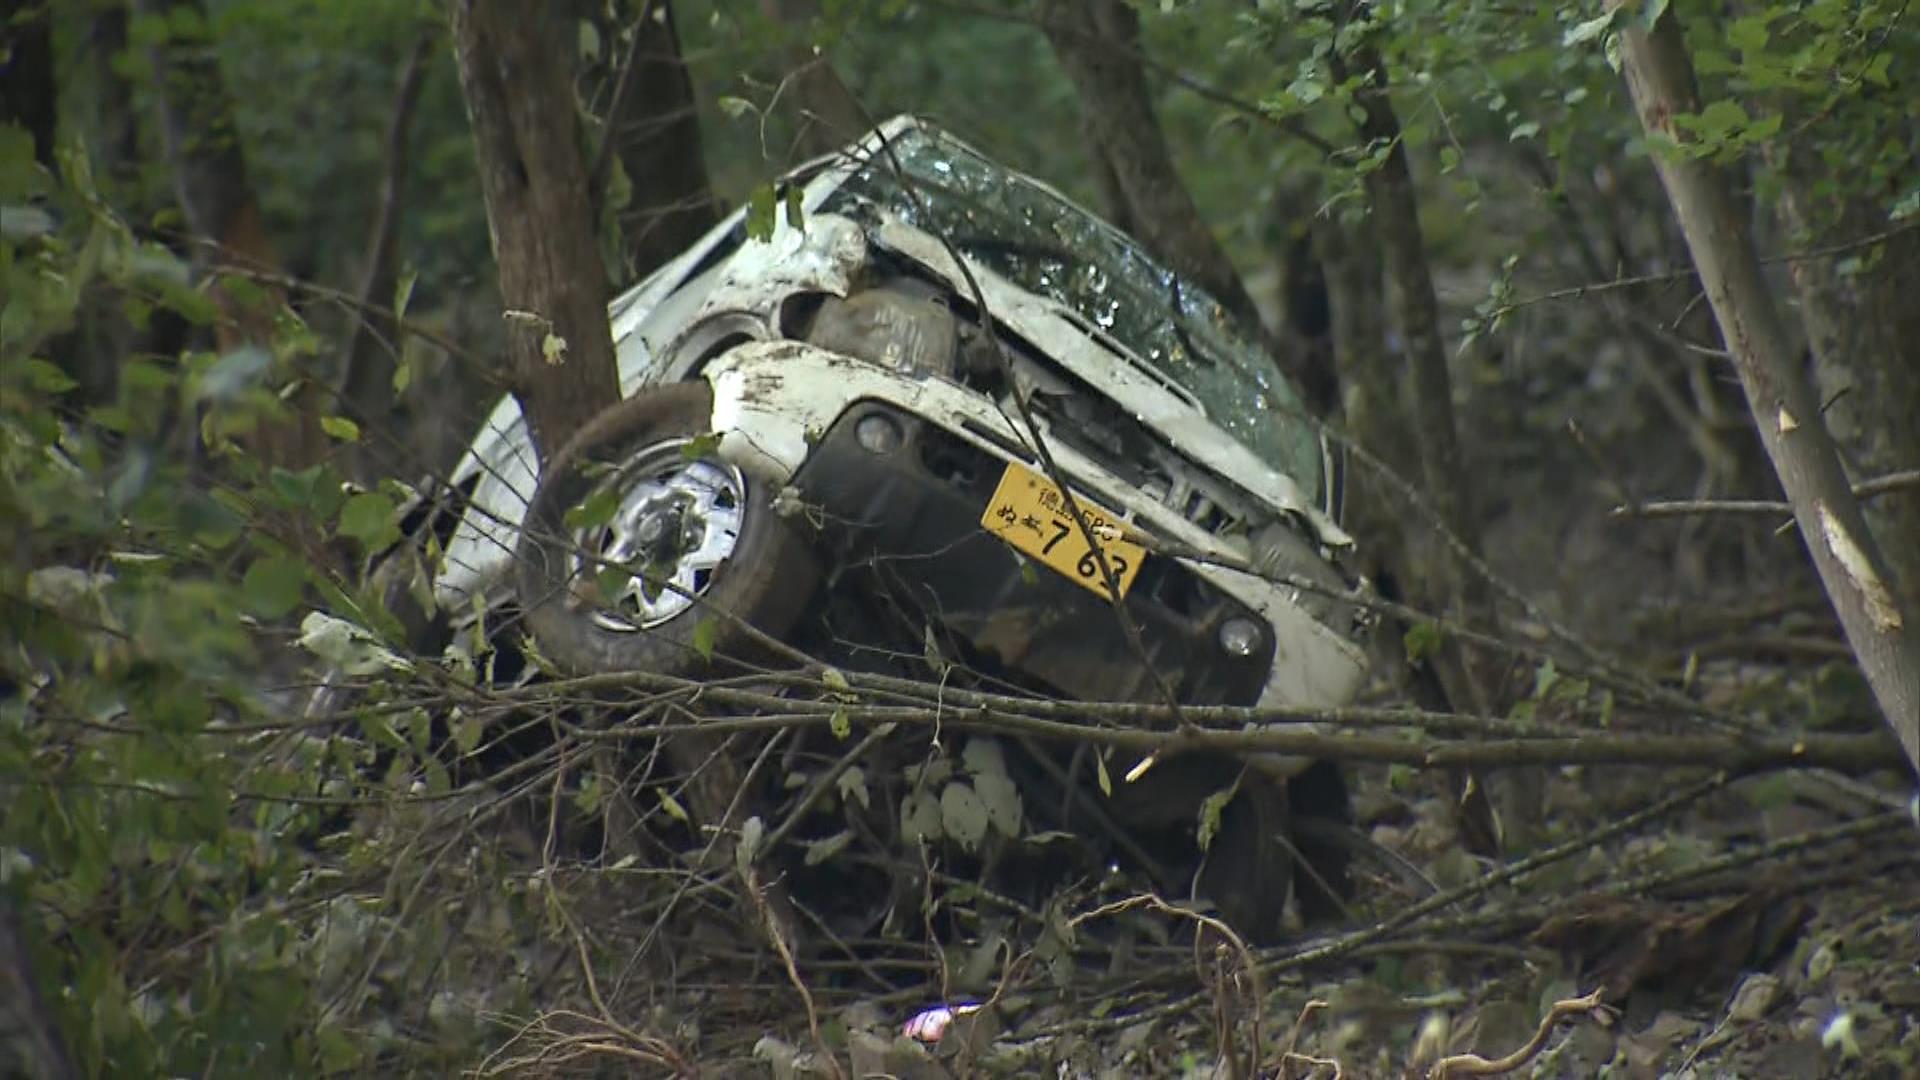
(1046, 245)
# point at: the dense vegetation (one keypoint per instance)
(1522, 259)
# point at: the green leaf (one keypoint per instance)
(340, 428)
(1524, 131)
(612, 581)
(853, 786)
(17, 168)
(46, 378)
(751, 833)
(761, 206)
(920, 817)
(594, 511)
(701, 447)
(1583, 32)
(733, 108)
(837, 682)
(1002, 800)
(796, 214)
(369, 518)
(839, 724)
(704, 633)
(553, 349)
(1650, 12)
(671, 806)
(403, 291)
(353, 649)
(467, 732)
(963, 815)
(820, 851)
(274, 585)
(983, 757)
(1211, 808)
(1749, 33)
(1421, 641)
(1100, 773)
(1544, 679)
(243, 369)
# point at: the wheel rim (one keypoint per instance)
(675, 517)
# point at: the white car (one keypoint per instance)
(828, 405)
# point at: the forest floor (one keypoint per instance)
(1769, 930)
(1764, 927)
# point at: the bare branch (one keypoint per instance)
(1475, 1065)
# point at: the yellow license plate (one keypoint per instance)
(1028, 512)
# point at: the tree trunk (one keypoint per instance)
(202, 146)
(513, 72)
(210, 180)
(652, 127)
(1864, 331)
(26, 76)
(1438, 580)
(1097, 42)
(30, 1043)
(1878, 622)
(1416, 310)
(366, 375)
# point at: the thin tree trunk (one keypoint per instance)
(366, 375)
(1864, 331)
(210, 180)
(26, 75)
(1098, 45)
(1879, 624)
(30, 1043)
(651, 125)
(827, 115)
(1439, 580)
(1097, 42)
(513, 71)
(1428, 380)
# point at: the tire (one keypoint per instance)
(764, 575)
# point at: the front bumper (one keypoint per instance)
(786, 411)
(915, 510)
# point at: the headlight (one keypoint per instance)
(1240, 637)
(877, 433)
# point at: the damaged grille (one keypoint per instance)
(915, 511)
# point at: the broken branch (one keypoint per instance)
(1475, 1065)
(1866, 489)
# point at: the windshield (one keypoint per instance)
(1047, 245)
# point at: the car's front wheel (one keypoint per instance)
(642, 550)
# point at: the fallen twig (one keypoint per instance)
(1475, 1065)
(1240, 950)
(750, 883)
(1287, 1054)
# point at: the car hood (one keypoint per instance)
(1051, 327)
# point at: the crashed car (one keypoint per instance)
(938, 379)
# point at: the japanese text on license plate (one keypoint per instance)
(1028, 512)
